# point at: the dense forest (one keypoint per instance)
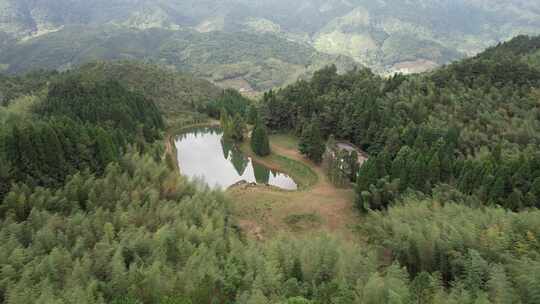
(142, 234)
(74, 128)
(472, 125)
(93, 213)
(57, 124)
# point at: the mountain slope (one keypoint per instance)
(472, 126)
(171, 91)
(386, 35)
(243, 60)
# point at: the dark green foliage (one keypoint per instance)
(238, 128)
(253, 115)
(259, 140)
(174, 93)
(471, 125)
(78, 126)
(312, 144)
(45, 153)
(31, 83)
(5, 177)
(104, 103)
(230, 100)
(233, 127)
(276, 112)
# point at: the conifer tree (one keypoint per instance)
(238, 128)
(5, 174)
(353, 164)
(226, 123)
(367, 175)
(259, 140)
(296, 271)
(312, 143)
(253, 115)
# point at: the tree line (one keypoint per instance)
(472, 125)
(141, 233)
(76, 127)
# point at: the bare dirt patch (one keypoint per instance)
(412, 67)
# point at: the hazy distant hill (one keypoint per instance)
(257, 44)
(244, 60)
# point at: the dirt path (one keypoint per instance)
(264, 212)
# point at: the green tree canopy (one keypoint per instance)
(260, 143)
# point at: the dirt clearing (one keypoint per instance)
(264, 212)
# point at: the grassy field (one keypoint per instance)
(265, 212)
(286, 141)
(302, 174)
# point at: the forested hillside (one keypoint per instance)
(76, 127)
(472, 125)
(92, 211)
(171, 91)
(56, 124)
(243, 60)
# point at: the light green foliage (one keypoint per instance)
(142, 234)
(297, 300)
(484, 249)
(392, 288)
(499, 286)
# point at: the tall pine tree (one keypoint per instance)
(238, 128)
(312, 143)
(259, 140)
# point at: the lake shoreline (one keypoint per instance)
(202, 152)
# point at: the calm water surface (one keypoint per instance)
(203, 153)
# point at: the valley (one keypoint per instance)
(257, 46)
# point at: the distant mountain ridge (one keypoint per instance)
(386, 35)
(243, 60)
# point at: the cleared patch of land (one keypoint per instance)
(264, 212)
